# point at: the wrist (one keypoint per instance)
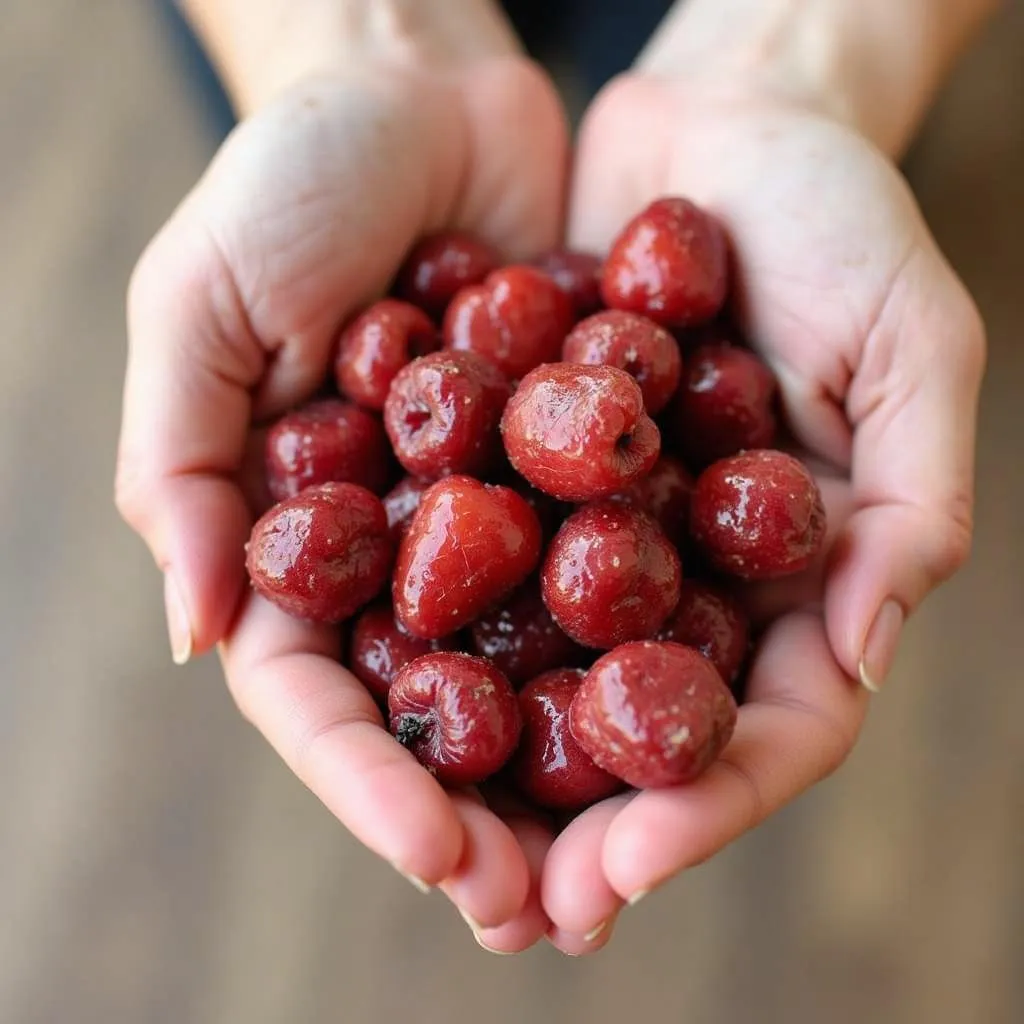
(261, 47)
(872, 64)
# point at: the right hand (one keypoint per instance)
(304, 215)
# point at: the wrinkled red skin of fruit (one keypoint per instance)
(579, 432)
(468, 546)
(549, 767)
(378, 649)
(725, 405)
(377, 344)
(610, 575)
(326, 440)
(578, 274)
(653, 714)
(442, 414)
(517, 319)
(712, 622)
(401, 502)
(665, 494)
(758, 515)
(522, 638)
(670, 263)
(323, 554)
(457, 714)
(439, 266)
(631, 342)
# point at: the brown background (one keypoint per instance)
(158, 865)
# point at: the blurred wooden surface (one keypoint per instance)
(158, 865)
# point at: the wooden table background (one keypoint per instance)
(157, 864)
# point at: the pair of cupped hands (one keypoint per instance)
(304, 216)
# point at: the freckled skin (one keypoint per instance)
(378, 649)
(712, 622)
(516, 319)
(579, 432)
(376, 345)
(439, 266)
(758, 515)
(578, 274)
(610, 575)
(670, 263)
(724, 405)
(522, 638)
(468, 546)
(549, 766)
(442, 414)
(326, 440)
(401, 502)
(323, 554)
(653, 714)
(630, 342)
(457, 714)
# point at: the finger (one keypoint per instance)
(492, 880)
(286, 680)
(575, 892)
(914, 405)
(801, 722)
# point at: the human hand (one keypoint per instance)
(879, 352)
(303, 216)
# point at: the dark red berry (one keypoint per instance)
(758, 515)
(326, 440)
(377, 344)
(442, 414)
(401, 502)
(579, 432)
(712, 622)
(670, 263)
(631, 342)
(725, 405)
(610, 575)
(322, 554)
(550, 768)
(457, 714)
(517, 318)
(468, 546)
(665, 494)
(653, 714)
(440, 265)
(578, 274)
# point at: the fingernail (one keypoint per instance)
(476, 929)
(880, 646)
(178, 626)
(637, 897)
(594, 932)
(417, 883)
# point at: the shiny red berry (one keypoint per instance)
(440, 265)
(665, 494)
(401, 502)
(578, 274)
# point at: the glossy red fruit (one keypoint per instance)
(712, 622)
(457, 714)
(468, 546)
(377, 344)
(647, 352)
(669, 263)
(578, 274)
(401, 502)
(725, 405)
(549, 767)
(323, 554)
(653, 714)
(378, 649)
(440, 265)
(665, 494)
(579, 432)
(522, 638)
(517, 319)
(326, 440)
(758, 515)
(610, 575)
(442, 414)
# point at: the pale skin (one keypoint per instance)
(367, 124)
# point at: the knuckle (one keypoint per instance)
(954, 537)
(131, 492)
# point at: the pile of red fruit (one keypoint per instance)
(540, 586)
